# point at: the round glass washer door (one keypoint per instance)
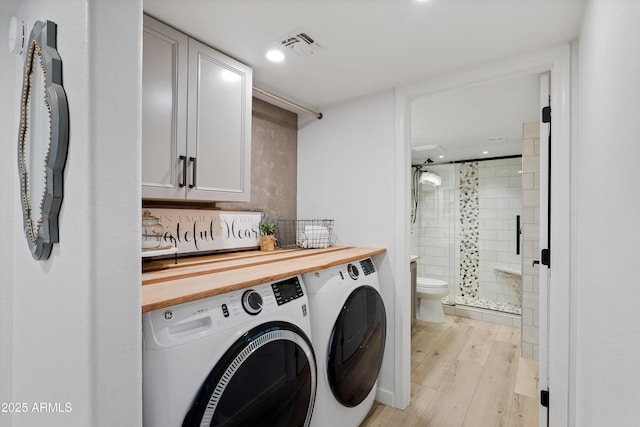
(266, 378)
(356, 346)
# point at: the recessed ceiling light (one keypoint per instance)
(485, 152)
(275, 55)
(441, 157)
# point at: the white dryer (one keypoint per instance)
(243, 358)
(348, 331)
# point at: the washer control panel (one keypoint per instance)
(192, 320)
(252, 302)
(287, 290)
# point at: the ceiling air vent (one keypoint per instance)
(300, 43)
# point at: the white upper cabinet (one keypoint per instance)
(219, 125)
(196, 127)
(164, 110)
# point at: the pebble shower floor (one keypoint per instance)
(504, 307)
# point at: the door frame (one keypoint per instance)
(558, 308)
(543, 238)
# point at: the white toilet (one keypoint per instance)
(429, 293)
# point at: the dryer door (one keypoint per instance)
(357, 346)
(268, 378)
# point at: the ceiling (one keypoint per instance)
(366, 46)
(481, 121)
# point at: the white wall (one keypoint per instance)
(8, 195)
(346, 172)
(608, 209)
(75, 334)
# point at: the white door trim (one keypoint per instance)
(557, 61)
(543, 270)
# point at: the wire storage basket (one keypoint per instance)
(305, 233)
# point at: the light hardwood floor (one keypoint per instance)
(465, 373)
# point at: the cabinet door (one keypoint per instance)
(219, 126)
(164, 110)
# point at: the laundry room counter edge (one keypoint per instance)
(166, 284)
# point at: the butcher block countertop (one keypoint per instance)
(165, 283)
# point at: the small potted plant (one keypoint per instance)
(268, 228)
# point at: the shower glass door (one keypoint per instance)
(487, 234)
(466, 232)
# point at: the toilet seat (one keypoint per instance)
(426, 285)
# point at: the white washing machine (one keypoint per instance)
(348, 331)
(243, 358)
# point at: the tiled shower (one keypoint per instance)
(466, 232)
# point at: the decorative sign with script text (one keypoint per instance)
(194, 230)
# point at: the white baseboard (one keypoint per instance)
(386, 397)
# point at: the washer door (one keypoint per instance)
(356, 346)
(268, 377)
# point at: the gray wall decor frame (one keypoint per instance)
(42, 57)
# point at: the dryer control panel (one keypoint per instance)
(367, 266)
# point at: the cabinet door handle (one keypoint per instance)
(193, 172)
(184, 171)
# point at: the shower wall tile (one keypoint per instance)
(435, 251)
(530, 269)
(532, 331)
(527, 249)
(494, 246)
(495, 201)
(530, 236)
(528, 348)
(432, 234)
(528, 214)
(530, 130)
(531, 164)
(441, 261)
(516, 203)
(516, 181)
(531, 232)
(506, 236)
(441, 273)
(495, 224)
(531, 197)
(529, 147)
